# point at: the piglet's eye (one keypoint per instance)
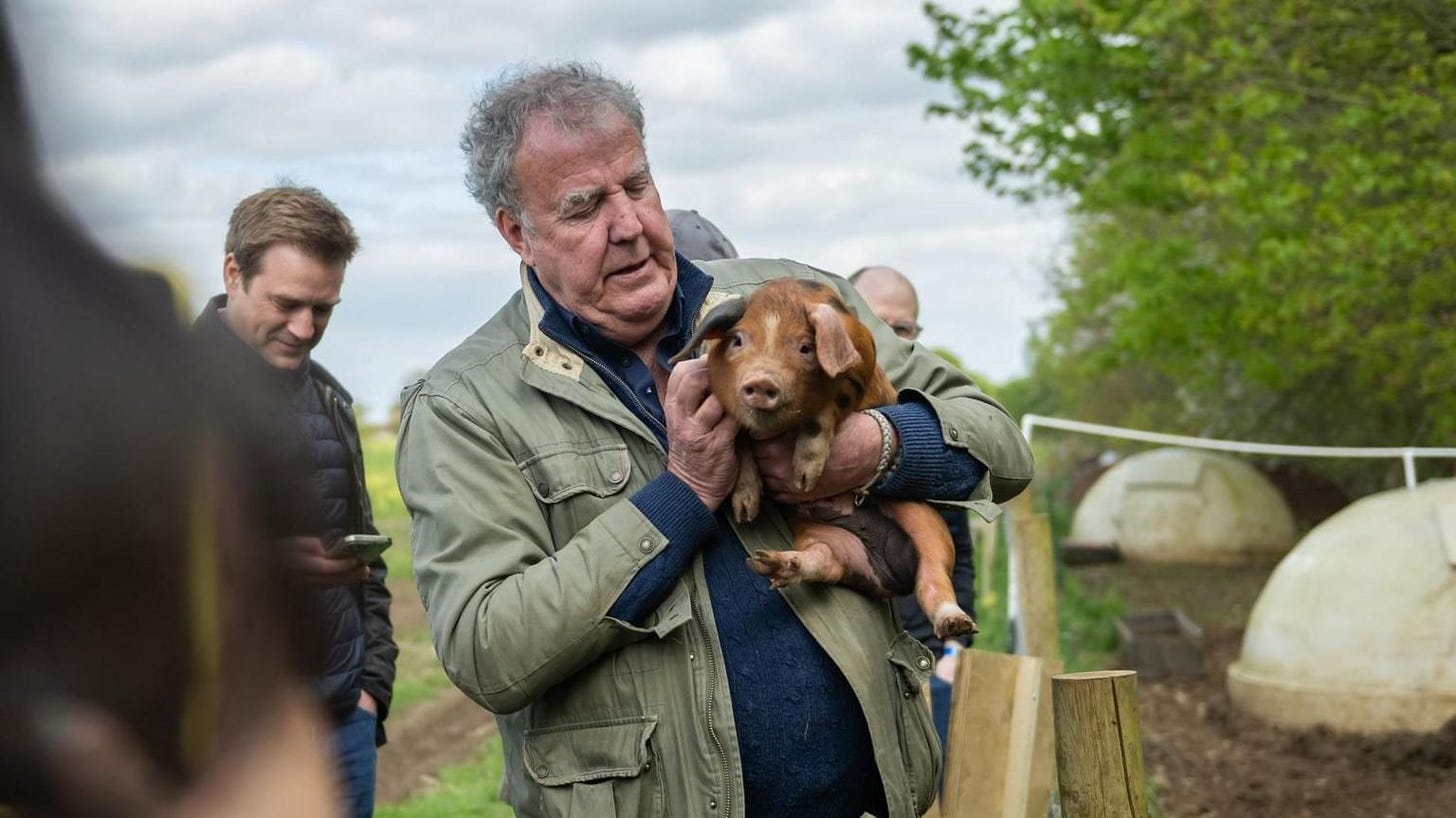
(806, 348)
(736, 341)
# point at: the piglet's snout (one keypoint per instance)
(761, 391)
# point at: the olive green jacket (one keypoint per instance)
(517, 463)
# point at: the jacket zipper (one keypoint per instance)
(711, 657)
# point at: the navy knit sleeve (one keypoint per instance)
(928, 468)
(676, 511)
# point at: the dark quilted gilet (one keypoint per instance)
(341, 608)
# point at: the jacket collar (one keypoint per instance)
(214, 331)
(542, 350)
(694, 295)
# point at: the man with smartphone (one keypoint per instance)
(286, 250)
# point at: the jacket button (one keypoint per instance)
(543, 487)
(539, 351)
(923, 663)
(543, 771)
(955, 434)
(712, 804)
(615, 477)
(646, 546)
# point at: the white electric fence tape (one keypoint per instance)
(1406, 454)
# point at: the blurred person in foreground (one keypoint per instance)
(286, 250)
(151, 662)
(892, 298)
(581, 578)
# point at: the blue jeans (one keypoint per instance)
(354, 748)
(940, 711)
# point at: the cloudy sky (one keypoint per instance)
(796, 126)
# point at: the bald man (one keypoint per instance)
(892, 297)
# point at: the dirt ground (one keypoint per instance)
(443, 730)
(1207, 760)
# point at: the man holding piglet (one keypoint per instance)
(582, 574)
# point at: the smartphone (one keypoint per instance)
(362, 547)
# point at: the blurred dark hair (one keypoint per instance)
(138, 495)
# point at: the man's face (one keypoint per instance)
(895, 306)
(598, 237)
(282, 311)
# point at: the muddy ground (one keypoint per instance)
(1208, 760)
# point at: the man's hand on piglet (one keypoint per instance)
(853, 456)
(700, 434)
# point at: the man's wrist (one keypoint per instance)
(675, 508)
(888, 452)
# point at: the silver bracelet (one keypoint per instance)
(887, 445)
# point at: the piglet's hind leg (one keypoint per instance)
(933, 590)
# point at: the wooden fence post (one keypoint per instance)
(1036, 586)
(985, 536)
(1000, 762)
(1032, 579)
(1099, 745)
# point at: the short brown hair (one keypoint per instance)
(288, 214)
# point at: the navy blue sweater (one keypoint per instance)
(786, 692)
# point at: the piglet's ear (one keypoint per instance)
(718, 321)
(832, 344)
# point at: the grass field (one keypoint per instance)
(389, 512)
(418, 675)
(466, 790)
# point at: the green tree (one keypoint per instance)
(1264, 231)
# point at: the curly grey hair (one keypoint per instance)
(572, 94)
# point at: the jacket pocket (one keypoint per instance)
(559, 471)
(590, 769)
(912, 663)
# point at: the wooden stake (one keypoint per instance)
(1000, 761)
(1036, 586)
(1099, 745)
(985, 536)
(1042, 784)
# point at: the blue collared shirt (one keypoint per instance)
(625, 373)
